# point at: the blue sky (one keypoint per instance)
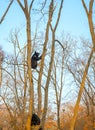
(73, 20)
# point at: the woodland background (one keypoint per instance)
(62, 88)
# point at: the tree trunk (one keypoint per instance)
(31, 90)
(42, 62)
(41, 71)
(47, 82)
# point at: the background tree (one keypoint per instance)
(1, 53)
(80, 75)
(15, 91)
(88, 63)
(58, 86)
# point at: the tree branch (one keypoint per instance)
(60, 44)
(85, 7)
(6, 11)
(59, 13)
(90, 6)
(21, 5)
(31, 6)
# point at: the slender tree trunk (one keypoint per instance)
(31, 90)
(51, 9)
(58, 115)
(82, 85)
(57, 100)
(26, 8)
(58, 93)
(42, 63)
(50, 66)
(47, 82)
(24, 97)
(41, 71)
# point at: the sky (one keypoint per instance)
(73, 21)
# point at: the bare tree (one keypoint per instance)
(15, 90)
(1, 54)
(82, 85)
(27, 11)
(53, 30)
(58, 85)
(42, 63)
(91, 26)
